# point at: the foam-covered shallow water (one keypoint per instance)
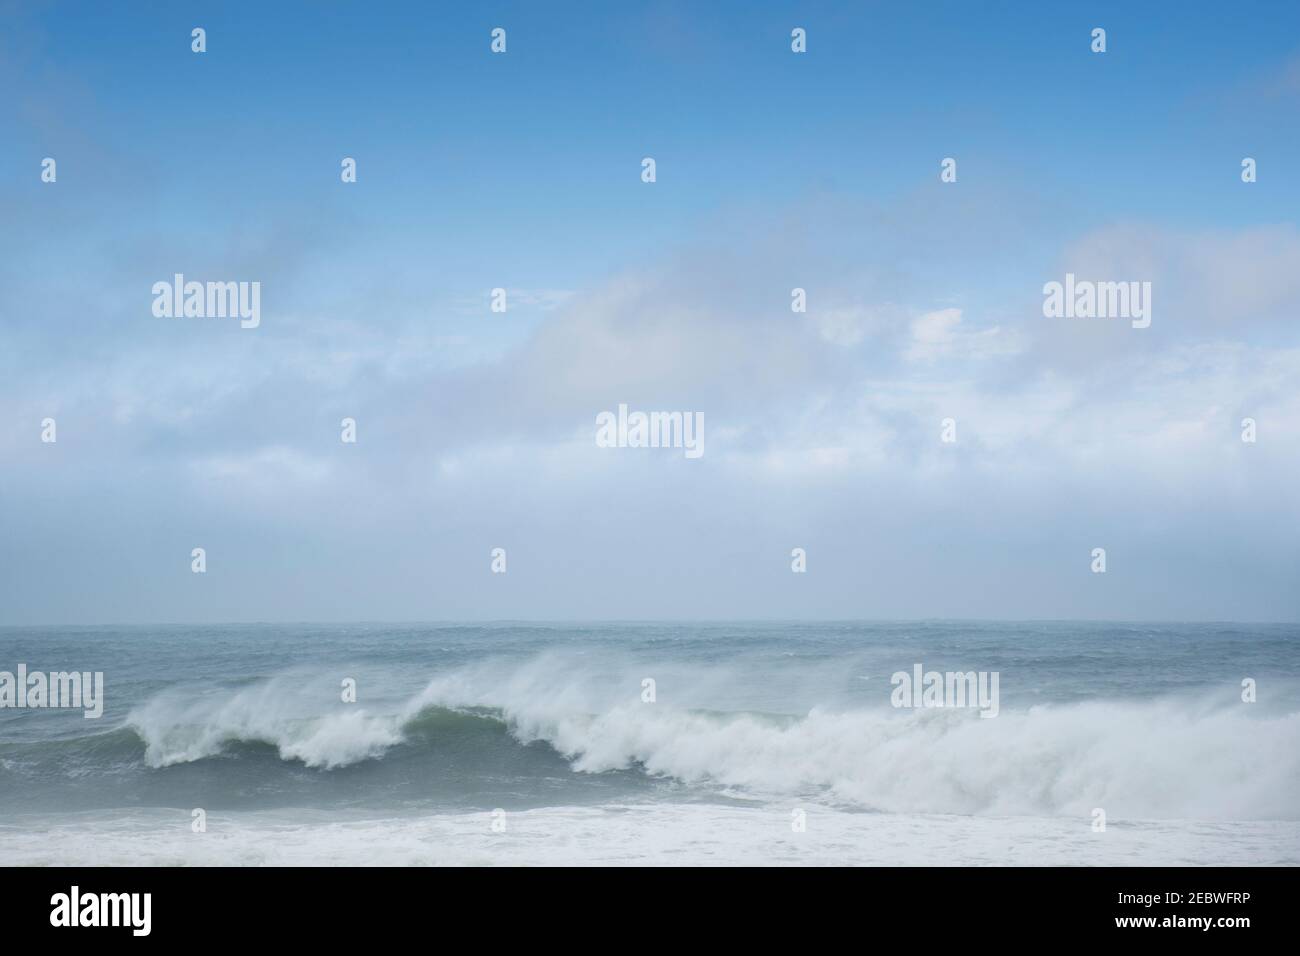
(637, 834)
(749, 724)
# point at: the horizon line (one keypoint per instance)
(647, 620)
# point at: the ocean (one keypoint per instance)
(656, 743)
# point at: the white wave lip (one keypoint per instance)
(177, 730)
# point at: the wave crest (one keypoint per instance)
(176, 731)
(1164, 759)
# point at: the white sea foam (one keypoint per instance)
(658, 834)
(1167, 759)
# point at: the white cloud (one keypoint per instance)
(938, 335)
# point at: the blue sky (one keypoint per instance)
(775, 170)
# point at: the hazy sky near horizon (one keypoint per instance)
(775, 170)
